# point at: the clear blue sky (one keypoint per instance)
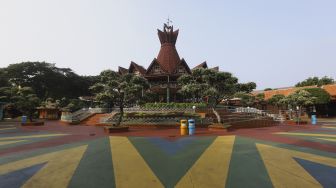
(274, 43)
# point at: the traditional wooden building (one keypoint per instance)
(166, 68)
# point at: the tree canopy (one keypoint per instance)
(301, 98)
(213, 85)
(277, 100)
(46, 80)
(246, 99)
(321, 96)
(21, 98)
(311, 81)
(121, 90)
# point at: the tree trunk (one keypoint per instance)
(30, 116)
(217, 115)
(121, 107)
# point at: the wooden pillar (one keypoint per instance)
(168, 90)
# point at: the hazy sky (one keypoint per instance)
(274, 43)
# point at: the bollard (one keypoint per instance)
(191, 125)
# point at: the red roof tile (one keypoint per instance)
(168, 58)
(139, 68)
(331, 89)
(122, 70)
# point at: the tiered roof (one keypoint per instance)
(168, 58)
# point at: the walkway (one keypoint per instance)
(57, 155)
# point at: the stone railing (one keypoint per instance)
(158, 120)
(142, 109)
(81, 114)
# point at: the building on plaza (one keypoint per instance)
(166, 68)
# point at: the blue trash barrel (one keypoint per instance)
(191, 123)
(313, 119)
(191, 131)
(24, 119)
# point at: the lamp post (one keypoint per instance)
(298, 114)
(194, 108)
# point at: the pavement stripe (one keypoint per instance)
(171, 168)
(17, 178)
(9, 128)
(172, 147)
(324, 174)
(214, 161)
(329, 127)
(246, 166)
(10, 142)
(285, 171)
(95, 168)
(130, 169)
(30, 136)
(56, 173)
(328, 139)
(306, 134)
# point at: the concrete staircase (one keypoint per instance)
(94, 119)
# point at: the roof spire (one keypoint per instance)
(169, 21)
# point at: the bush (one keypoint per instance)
(174, 105)
(158, 114)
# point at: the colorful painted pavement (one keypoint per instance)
(81, 156)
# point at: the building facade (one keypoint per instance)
(166, 68)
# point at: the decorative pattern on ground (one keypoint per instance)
(249, 158)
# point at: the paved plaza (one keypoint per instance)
(57, 155)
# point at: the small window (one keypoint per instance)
(181, 69)
(156, 69)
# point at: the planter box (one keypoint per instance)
(40, 123)
(111, 129)
(296, 123)
(217, 127)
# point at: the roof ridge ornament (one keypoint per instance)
(167, 27)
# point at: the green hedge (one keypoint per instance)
(158, 114)
(174, 105)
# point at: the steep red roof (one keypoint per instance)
(139, 68)
(203, 65)
(122, 70)
(215, 68)
(168, 57)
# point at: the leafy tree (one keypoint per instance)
(23, 99)
(246, 99)
(301, 98)
(193, 85)
(207, 83)
(311, 81)
(74, 104)
(325, 81)
(260, 99)
(277, 100)
(122, 90)
(47, 80)
(246, 87)
(321, 96)
(268, 89)
(3, 78)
